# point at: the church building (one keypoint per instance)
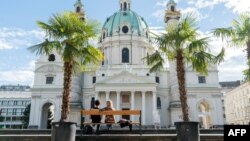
(124, 77)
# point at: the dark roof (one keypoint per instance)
(230, 84)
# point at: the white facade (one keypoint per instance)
(125, 79)
(12, 106)
(237, 105)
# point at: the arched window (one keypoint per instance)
(52, 57)
(125, 55)
(78, 9)
(172, 8)
(125, 6)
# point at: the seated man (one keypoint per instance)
(96, 118)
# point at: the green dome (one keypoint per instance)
(123, 22)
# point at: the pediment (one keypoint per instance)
(50, 68)
(126, 78)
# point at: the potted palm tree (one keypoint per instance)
(238, 35)
(182, 44)
(67, 34)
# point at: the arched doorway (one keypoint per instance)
(204, 115)
(47, 115)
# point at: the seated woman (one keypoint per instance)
(96, 118)
(109, 118)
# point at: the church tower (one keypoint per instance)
(172, 15)
(79, 9)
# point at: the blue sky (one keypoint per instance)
(18, 29)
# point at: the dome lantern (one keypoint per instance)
(125, 5)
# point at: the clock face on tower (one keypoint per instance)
(125, 29)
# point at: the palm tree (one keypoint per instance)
(181, 43)
(239, 34)
(69, 35)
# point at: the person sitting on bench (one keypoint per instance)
(96, 118)
(109, 118)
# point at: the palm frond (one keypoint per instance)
(45, 47)
(224, 33)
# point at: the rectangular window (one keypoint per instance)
(19, 103)
(9, 111)
(125, 99)
(157, 79)
(202, 79)
(94, 80)
(11, 103)
(5, 103)
(158, 103)
(49, 80)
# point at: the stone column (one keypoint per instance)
(107, 95)
(154, 101)
(143, 108)
(154, 110)
(132, 104)
(97, 95)
(118, 100)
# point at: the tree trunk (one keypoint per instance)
(66, 91)
(182, 84)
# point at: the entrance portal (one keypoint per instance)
(47, 116)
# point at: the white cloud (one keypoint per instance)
(237, 6)
(4, 44)
(159, 14)
(13, 38)
(196, 13)
(234, 62)
(20, 76)
(204, 3)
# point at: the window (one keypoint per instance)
(125, 55)
(125, 29)
(52, 57)
(5, 103)
(49, 80)
(158, 103)
(157, 79)
(125, 6)
(125, 99)
(94, 80)
(172, 8)
(103, 60)
(202, 79)
(78, 9)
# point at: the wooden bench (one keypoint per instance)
(114, 112)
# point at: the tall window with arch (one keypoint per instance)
(125, 55)
(78, 9)
(125, 6)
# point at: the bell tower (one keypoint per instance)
(172, 15)
(79, 9)
(125, 5)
